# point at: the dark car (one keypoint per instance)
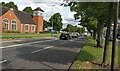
(65, 36)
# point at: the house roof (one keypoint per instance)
(24, 18)
(3, 10)
(38, 9)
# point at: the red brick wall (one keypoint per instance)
(39, 23)
(10, 16)
(29, 28)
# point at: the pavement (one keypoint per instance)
(52, 54)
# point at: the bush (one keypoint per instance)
(45, 32)
(10, 31)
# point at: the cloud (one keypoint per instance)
(45, 1)
(46, 5)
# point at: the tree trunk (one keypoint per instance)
(100, 30)
(106, 47)
(114, 36)
(94, 34)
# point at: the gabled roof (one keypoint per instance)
(3, 10)
(38, 9)
(24, 17)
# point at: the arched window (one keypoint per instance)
(33, 27)
(26, 27)
(13, 23)
(6, 24)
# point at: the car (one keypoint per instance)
(111, 37)
(118, 35)
(65, 36)
(74, 35)
(85, 34)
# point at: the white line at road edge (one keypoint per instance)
(42, 49)
(3, 61)
(12, 40)
(24, 44)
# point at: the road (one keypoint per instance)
(53, 54)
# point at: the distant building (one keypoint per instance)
(14, 20)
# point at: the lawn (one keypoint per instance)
(27, 35)
(90, 57)
(119, 56)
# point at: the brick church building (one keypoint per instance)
(14, 20)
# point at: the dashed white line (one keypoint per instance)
(41, 49)
(24, 44)
(3, 61)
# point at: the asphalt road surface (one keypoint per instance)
(53, 54)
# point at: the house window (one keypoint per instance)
(33, 27)
(6, 24)
(13, 25)
(26, 27)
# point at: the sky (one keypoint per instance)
(49, 9)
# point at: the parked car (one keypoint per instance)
(85, 34)
(65, 36)
(74, 35)
(111, 37)
(118, 35)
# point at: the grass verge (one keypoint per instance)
(27, 35)
(90, 57)
(119, 55)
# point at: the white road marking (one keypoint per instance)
(3, 61)
(24, 44)
(12, 40)
(42, 49)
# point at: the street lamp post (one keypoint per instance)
(52, 21)
(52, 16)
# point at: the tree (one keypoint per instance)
(70, 28)
(108, 20)
(114, 36)
(56, 22)
(106, 47)
(92, 25)
(91, 9)
(28, 10)
(10, 5)
(45, 24)
(80, 30)
(2, 3)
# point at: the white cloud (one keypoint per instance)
(44, 1)
(46, 5)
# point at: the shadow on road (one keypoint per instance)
(61, 55)
(50, 56)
